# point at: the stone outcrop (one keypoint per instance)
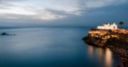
(116, 40)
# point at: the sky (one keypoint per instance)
(62, 12)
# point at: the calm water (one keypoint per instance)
(51, 47)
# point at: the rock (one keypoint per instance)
(116, 40)
(4, 33)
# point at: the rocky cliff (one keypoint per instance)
(116, 40)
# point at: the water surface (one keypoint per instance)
(51, 47)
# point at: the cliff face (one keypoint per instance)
(102, 38)
(116, 40)
(122, 53)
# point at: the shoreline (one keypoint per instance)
(116, 40)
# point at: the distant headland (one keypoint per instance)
(111, 36)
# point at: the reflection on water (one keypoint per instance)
(91, 51)
(103, 55)
(108, 58)
(100, 54)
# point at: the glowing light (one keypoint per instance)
(108, 26)
(108, 58)
(91, 50)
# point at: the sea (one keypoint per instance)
(52, 47)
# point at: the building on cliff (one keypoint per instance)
(110, 36)
(108, 26)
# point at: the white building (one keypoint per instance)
(108, 26)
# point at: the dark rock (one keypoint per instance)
(4, 33)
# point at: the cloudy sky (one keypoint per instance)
(62, 12)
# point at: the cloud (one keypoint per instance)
(29, 13)
(48, 10)
(40, 12)
(100, 3)
(2, 1)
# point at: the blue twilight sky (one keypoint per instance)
(62, 12)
